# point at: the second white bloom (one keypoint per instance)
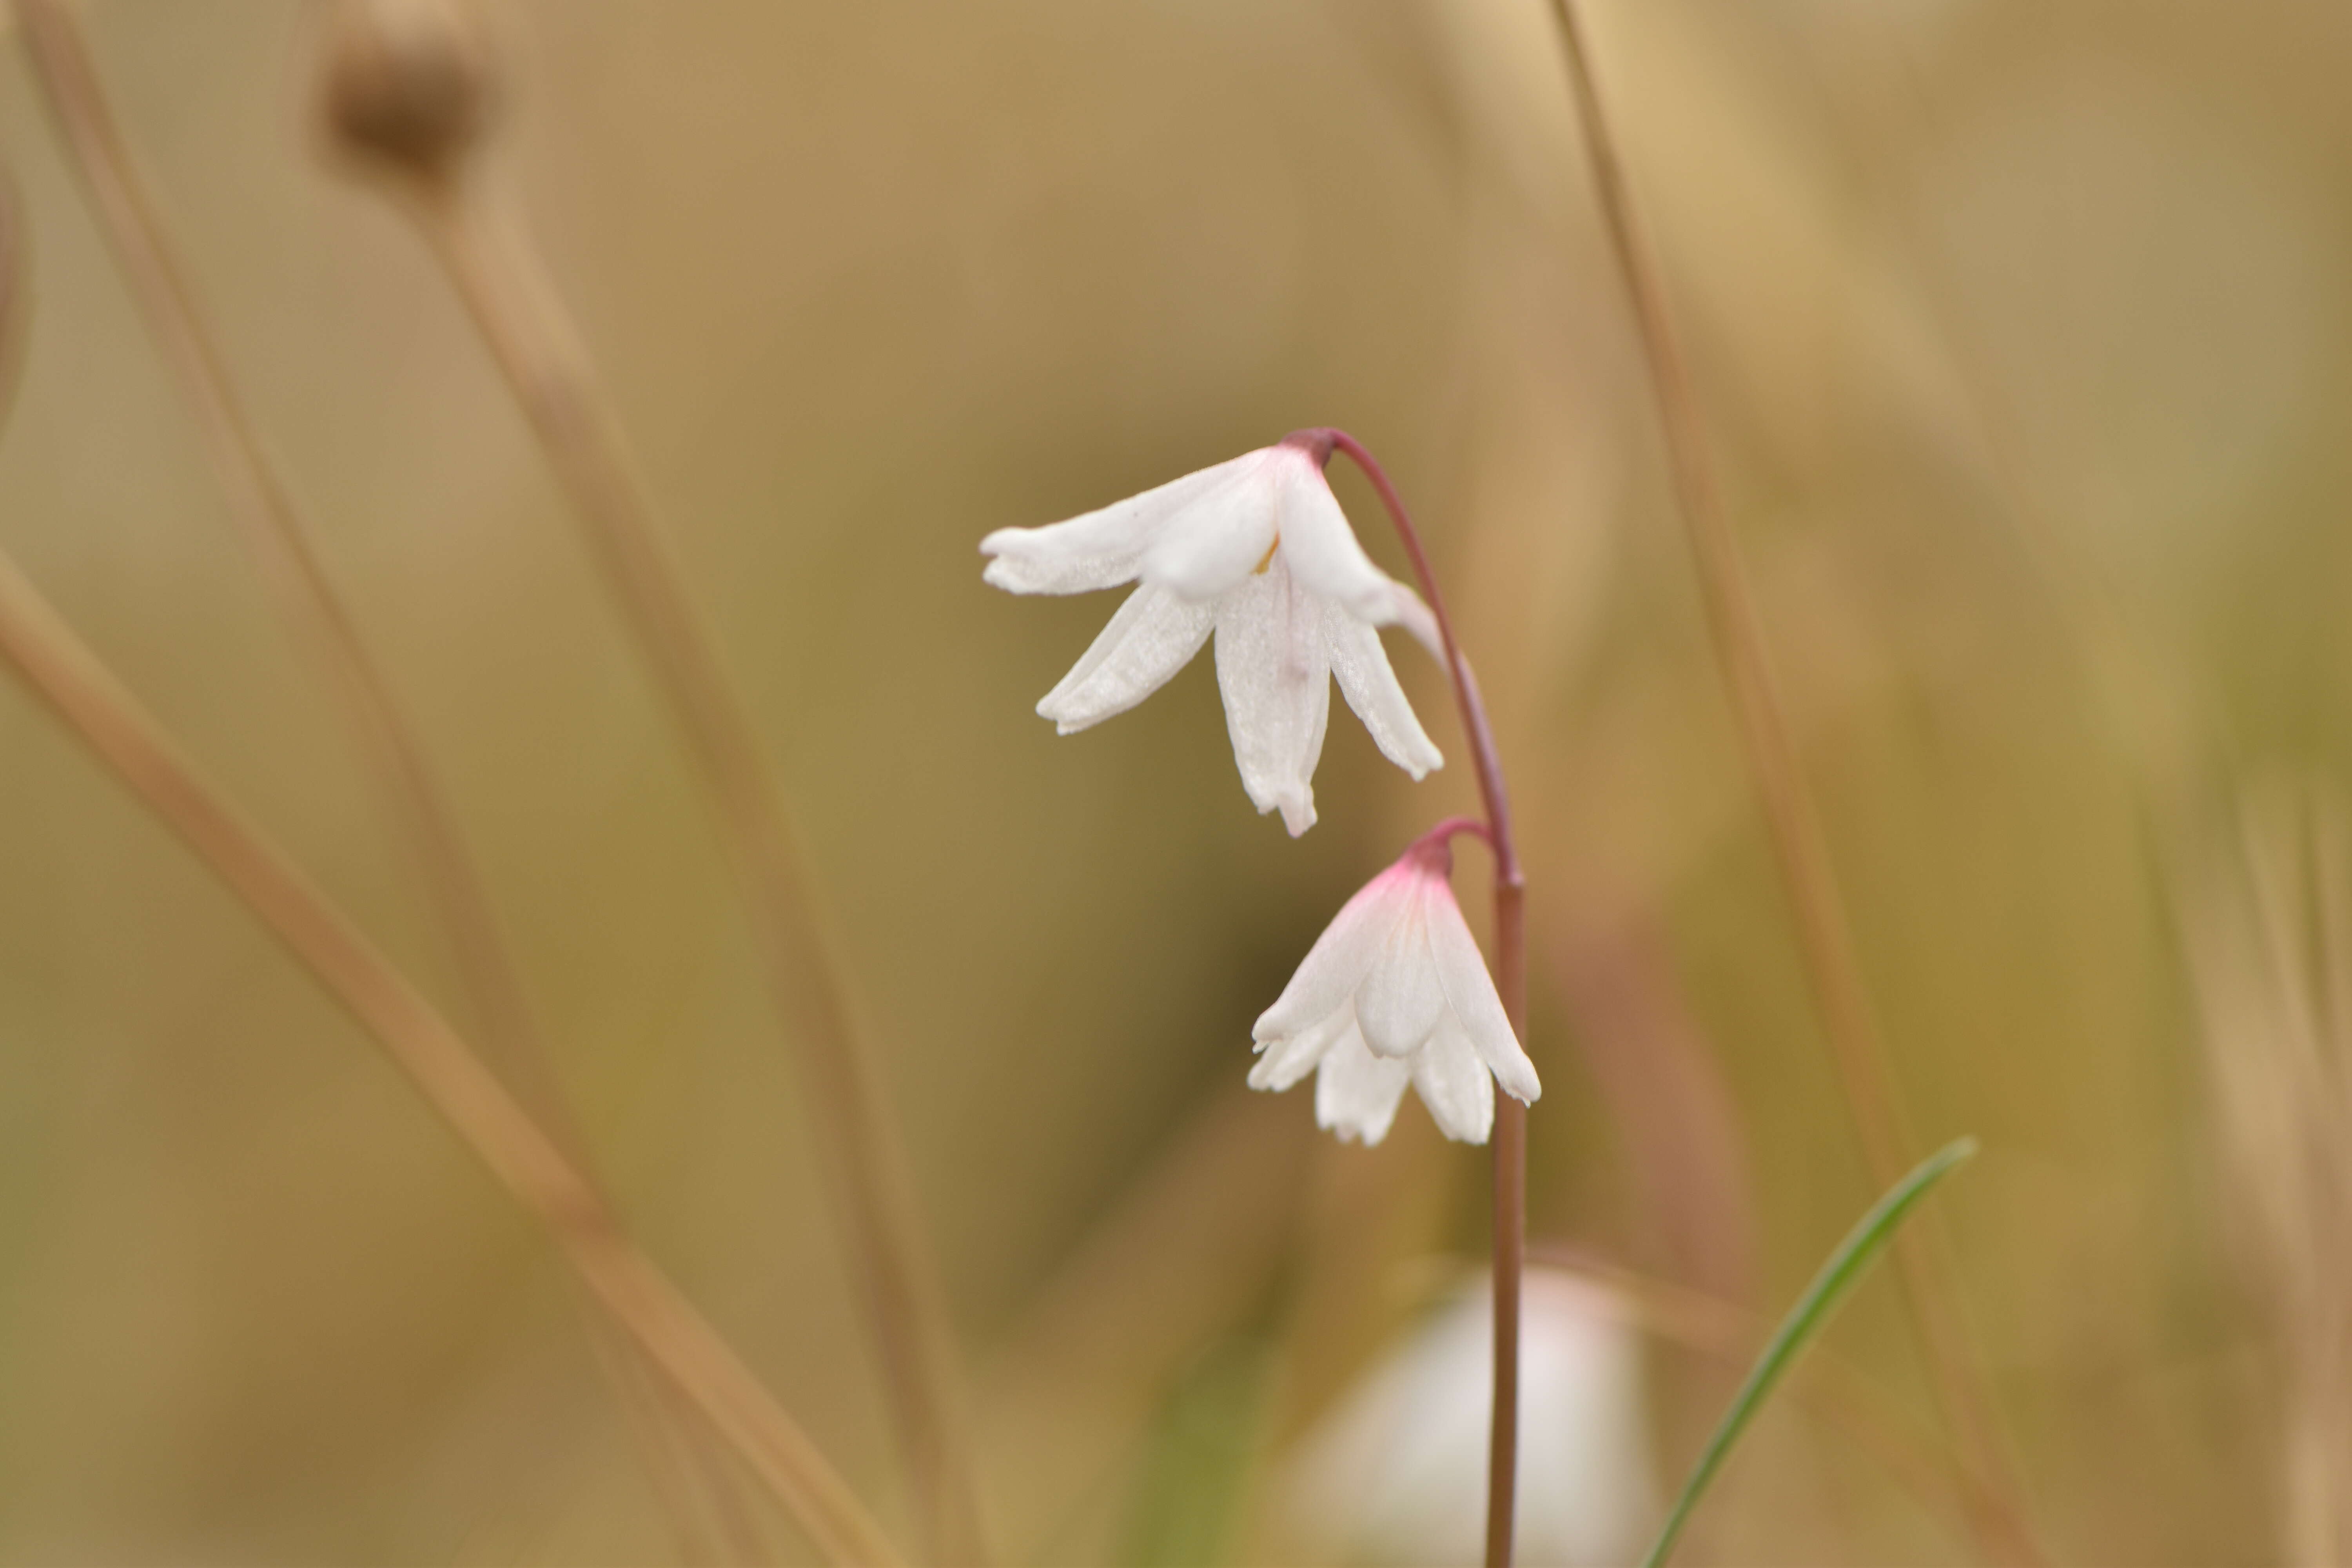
(1394, 992)
(1257, 551)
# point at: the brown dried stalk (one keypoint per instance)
(872, 1190)
(280, 540)
(648, 1310)
(315, 612)
(407, 94)
(1824, 935)
(641, 1301)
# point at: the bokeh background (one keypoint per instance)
(2021, 331)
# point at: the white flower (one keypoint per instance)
(1257, 550)
(1392, 993)
(1396, 1471)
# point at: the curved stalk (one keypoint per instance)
(1510, 1136)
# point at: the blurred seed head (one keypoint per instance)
(407, 84)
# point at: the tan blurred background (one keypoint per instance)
(2021, 333)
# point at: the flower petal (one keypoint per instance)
(1339, 961)
(1416, 618)
(1400, 1001)
(1100, 549)
(1154, 635)
(1470, 990)
(1275, 671)
(1320, 546)
(1369, 685)
(1291, 1057)
(1455, 1084)
(1357, 1093)
(1217, 540)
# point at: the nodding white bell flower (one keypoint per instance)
(1257, 550)
(1394, 993)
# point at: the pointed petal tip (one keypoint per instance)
(1408, 611)
(1475, 1134)
(1476, 1137)
(1430, 760)
(1367, 1133)
(1358, 1093)
(1360, 665)
(1062, 723)
(1280, 1072)
(1287, 1056)
(1069, 720)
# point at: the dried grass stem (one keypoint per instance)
(58, 667)
(492, 265)
(1824, 935)
(315, 615)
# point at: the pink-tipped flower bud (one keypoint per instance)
(408, 84)
(1394, 994)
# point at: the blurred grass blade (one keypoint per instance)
(1193, 1482)
(1855, 1254)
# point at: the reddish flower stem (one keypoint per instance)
(1452, 828)
(1510, 979)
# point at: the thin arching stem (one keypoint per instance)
(1824, 934)
(1510, 1137)
(314, 611)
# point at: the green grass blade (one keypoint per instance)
(1854, 1254)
